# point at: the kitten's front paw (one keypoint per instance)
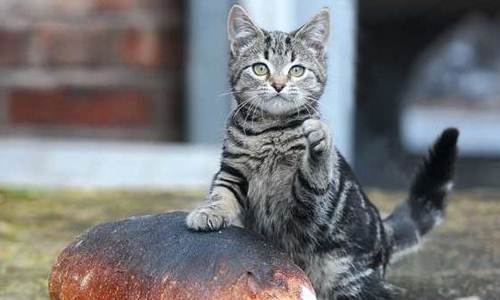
(317, 135)
(207, 218)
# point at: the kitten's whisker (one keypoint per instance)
(250, 104)
(262, 113)
(241, 106)
(254, 111)
(227, 93)
(308, 112)
(247, 115)
(316, 111)
(313, 100)
(232, 93)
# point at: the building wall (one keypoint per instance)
(91, 68)
(393, 37)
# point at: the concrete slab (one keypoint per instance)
(91, 163)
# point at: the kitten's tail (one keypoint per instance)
(426, 204)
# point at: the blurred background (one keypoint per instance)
(114, 108)
(123, 93)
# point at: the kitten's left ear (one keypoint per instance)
(315, 33)
(241, 30)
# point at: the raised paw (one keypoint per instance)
(207, 218)
(317, 135)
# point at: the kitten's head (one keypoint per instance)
(274, 71)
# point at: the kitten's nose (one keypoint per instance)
(278, 86)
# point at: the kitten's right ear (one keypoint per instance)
(241, 31)
(315, 33)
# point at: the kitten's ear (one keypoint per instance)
(315, 33)
(241, 31)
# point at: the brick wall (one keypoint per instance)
(91, 68)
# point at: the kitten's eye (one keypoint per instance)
(260, 69)
(297, 71)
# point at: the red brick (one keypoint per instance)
(71, 45)
(167, 6)
(151, 48)
(71, 8)
(85, 34)
(85, 7)
(105, 108)
(13, 47)
(173, 49)
(173, 114)
(113, 5)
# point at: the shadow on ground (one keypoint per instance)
(461, 259)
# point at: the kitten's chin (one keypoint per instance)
(279, 106)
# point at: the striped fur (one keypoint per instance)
(281, 175)
(427, 200)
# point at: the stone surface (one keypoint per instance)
(157, 257)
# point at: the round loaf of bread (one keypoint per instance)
(157, 257)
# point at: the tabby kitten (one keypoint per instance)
(281, 175)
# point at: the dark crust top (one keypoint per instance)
(158, 257)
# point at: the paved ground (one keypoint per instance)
(461, 260)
